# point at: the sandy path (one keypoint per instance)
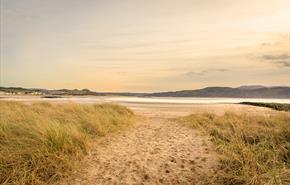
(154, 151)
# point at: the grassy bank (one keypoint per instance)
(275, 106)
(40, 142)
(253, 149)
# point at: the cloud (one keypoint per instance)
(285, 63)
(205, 72)
(278, 59)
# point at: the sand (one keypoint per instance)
(156, 150)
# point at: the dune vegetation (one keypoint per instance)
(253, 149)
(39, 143)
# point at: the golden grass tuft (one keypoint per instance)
(253, 149)
(40, 142)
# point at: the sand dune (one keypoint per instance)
(156, 150)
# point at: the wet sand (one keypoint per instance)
(148, 108)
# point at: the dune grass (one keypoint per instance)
(40, 142)
(253, 149)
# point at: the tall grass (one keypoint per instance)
(253, 149)
(40, 142)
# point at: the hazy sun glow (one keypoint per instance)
(144, 45)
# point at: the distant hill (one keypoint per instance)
(240, 92)
(20, 90)
(62, 92)
(256, 91)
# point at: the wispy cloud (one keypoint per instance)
(283, 63)
(278, 59)
(205, 72)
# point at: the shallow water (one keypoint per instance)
(194, 100)
(147, 100)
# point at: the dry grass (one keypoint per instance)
(253, 149)
(40, 142)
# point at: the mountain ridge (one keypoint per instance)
(230, 92)
(246, 91)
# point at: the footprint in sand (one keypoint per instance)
(177, 156)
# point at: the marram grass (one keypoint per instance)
(40, 142)
(253, 149)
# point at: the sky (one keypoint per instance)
(144, 45)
